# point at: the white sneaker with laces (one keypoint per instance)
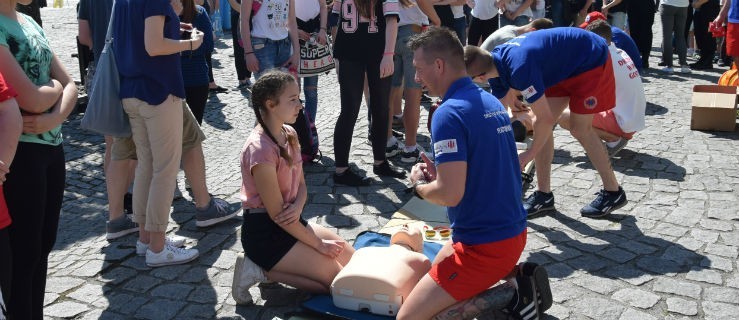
(170, 255)
(175, 241)
(246, 274)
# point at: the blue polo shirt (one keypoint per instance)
(623, 41)
(733, 15)
(537, 60)
(147, 78)
(472, 126)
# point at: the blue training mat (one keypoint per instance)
(323, 304)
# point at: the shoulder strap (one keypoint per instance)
(109, 33)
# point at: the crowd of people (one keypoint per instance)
(483, 59)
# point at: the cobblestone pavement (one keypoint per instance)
(670, 253)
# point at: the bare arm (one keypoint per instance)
(542, 129)
(292, 26)
(235, 5)
(525, 5)
(40, 123)
(157, 45)
(84, 33)
(611, 5)
(391, 35)
(721, 18)
(448, 188)
(31, 98)
(11, 125)
(245, 25)
(427, 8)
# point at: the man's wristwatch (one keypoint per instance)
(416, 184)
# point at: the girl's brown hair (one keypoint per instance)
(269, 87)
(364, 7)
(189, 11)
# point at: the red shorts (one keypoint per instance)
(590, 92)
(606, 121)
(472, 269)
(732, 39)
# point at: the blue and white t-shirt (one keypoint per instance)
(537, 60)
(472, 126)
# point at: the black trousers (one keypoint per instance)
(6, 265)
(34, 191)
(481, 29)
(703, 39)
(242, 73)
(641, 18)
(196, 98)
(351, 83)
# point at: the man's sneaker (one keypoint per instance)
(685, 69)
(120, 227)
(612, 151)
(540, 278)
(524, 304)
(174, 241)
(538, 202)
(128, 203)
(425, 98)
(218, 211)
(667, 70)
(351, 178)
(170, 255)
(604, 203)
(246, 274)
(410, 157)
(392, 150)
(384, 169)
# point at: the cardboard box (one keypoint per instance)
(714, 108)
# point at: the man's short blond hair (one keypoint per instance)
(477, 61)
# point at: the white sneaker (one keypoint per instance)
(668, 70)
(175, 241)
(246, 274)
(170, 255)
(685, 69)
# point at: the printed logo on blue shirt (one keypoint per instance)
(529, 92)
(445, 146)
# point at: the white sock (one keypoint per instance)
(409, 148)
(613, 144)
(391, 141)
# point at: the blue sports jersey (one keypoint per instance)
(472, 126)
(623, 41)
(537, 60)
(733, 15)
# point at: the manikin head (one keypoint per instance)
(410, 237)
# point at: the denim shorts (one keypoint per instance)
(403, 59)
(271, 53)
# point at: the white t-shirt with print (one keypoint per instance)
(630, 100)
(484, 9)
(271, 20)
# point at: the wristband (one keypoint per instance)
(323, 28)
(415, 190)
(389, 53)
(250, 52)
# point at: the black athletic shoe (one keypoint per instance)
(701, 65)
(384, 169)
(604, 203)
(538, 202)
(425, 98)
(519, 131)
(351, 178)
(524, 304)
(540, 278)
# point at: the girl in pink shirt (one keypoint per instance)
(278, 242)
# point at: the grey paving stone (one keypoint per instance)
(720, 294)
(65, 309)
(682, 306)
(160, 309)
(705, 275)
(677, 287)
(597, 308)
(636, 298)
(717, 310)
(87, 293)
(716, 262)
(170, 272)
(142, 283)
(616, 254)
(62, 284)
(722, 250)
(631, 314)
(597, 284)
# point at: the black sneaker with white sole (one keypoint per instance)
(538, 203)
(410, 157)
(524, 304)
(351, 178)
(540, 278)
(604, 203)
(392, 151)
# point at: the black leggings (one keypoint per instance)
(6, 265)
(209, 61)
(196, 98)
(34, 191)
(351, 83)
(481, 29)
(241, 71)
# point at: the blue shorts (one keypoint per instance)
(404, 72)
(271, 53)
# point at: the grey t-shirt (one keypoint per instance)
(97, 14)
(499, 37)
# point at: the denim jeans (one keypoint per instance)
(310, 90)
(270, 53)
(518, 21)
(460, 26)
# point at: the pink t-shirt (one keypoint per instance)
(260, 149)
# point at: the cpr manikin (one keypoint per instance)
(379, 279)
